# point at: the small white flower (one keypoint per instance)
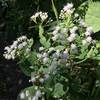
(20, 46)
(69, 11)
(41, 48)
(13, 52)
(43, 16)
(68, 7)
(97, 82)
(13, 46)
(37, 14)
(57, 28)
(33, 17)
(24, 37)
(38, 93)
(84, 42)
(32, 80)
(45, 60)
(87, 33)
(24, 44)
(82, 23)
(70, 39)
(57, 53)
(54, 38)
(46, 76)
(28, 50)
(73, 35)
(22, 95)
(67, 64)
(74, 29)
(76, 15)
(73, 46)
(27, 93)
(5, 55)
(51, 49)
(9, 57)
(54, 32)
(89, 39)
(19, 39)
(8, 49)
(94, 41)
(39, 56)
(89, 29)
(15, 43)
(41, 80)
(13, 57)
(45, 54)
(66, 51)
(65, 30)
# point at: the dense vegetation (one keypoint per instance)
(16, 21)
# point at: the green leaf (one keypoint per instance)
(54, 9)
(32, 58)
(92, 17)
(41, 30)
(44, 69)
(31, 91)
(83, 53)
(90, 53)
(59, 47)
(58, 90)
(97, 57)
(25, 66)
(48, 44)
(25, 69)
(98, 44)
(30, 43)
(43, 40)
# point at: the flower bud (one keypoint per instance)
(89, 39)
(22, 95)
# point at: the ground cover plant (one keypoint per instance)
(64, 65)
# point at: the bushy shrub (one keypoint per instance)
(63, 65)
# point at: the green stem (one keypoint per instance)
(81, 61)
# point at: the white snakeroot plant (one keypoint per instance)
(18, 46)
(61, 65)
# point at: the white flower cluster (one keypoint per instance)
(67, 10)
(42, 15)
(37, 95)
(53, 58)
(43, 56)
(59, 34)
(73, 34)
(82, 23)
(28, 95)
(88, 38)
(24, 94)
(73, 48)
(55, 33)
(13, 50)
